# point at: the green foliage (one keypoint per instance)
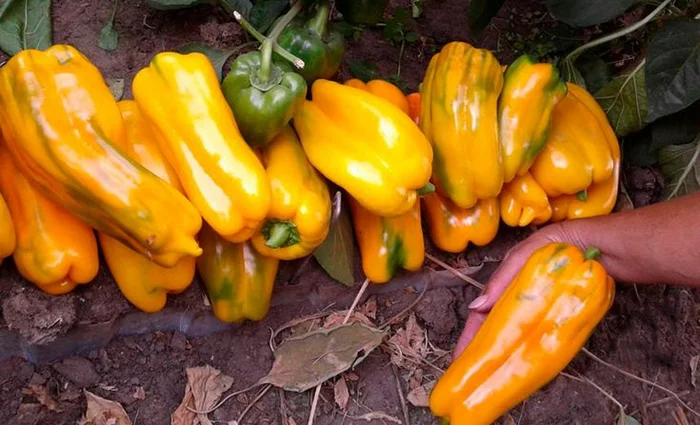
(349, 31)
(583, 13)
(174, 4)
(264, 13)
(216, 57)
(25, 24)
(624, 101)
(397, 29)
(109, 37)
(337, 253)
(416, 8)
(480, 14)
(681, 166)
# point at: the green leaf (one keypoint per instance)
(264, 13)
(116, 87)
(673, 68)
(624, 101)
(109, 37)
(680, 165)
(337, 253)
(411, 37)
(416, 8)
(174, 4)
(241, 6)
(364, 70)
(595, 71)
(216, 57)
(481, 12)
(583, 13)
(348, 30)
(25, 24)
(571, 74)
(676, 129)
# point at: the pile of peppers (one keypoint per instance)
(225, 179)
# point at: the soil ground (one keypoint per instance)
(651, 331)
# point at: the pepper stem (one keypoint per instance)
(319, 23)
(261, 38)
(591, 253)
(265, 62)
(427, 189)
(582, 195)
(280, 234)
(285, 20)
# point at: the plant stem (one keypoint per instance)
(279, 235)
(427, 189)
(261, 38)
(617, 34)
(319, 23)
(285, 20)
(265, 62)
(591, 253)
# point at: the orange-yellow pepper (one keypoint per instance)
(8, 238)
(238, 279)
(383, 89)
(459, 105)
(531, 334)
(300, 210)
(366, 145)
(414, 107)
(388, 243)
(63, 129)
(144, 283)
(580, 151)
(523, 201)
(180, 96)
(599, 198)
(55, 250)
(452, 228)
(529, 94)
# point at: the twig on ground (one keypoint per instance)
(666, 399)
(454, 271)
(255, 400)
(224, 400)
(314, 403)
(404, 407)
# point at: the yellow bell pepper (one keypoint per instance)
(600, 198)
(300, 210)
(530, 92)
(366, 145)
(238, 279)
(579, 151)
(452, 228)
(459, 105)
(414, 107)
(523, 201)
(388, 243)
(144, 283)
(63, 129)
(180, 96)
(8, 238)
(55, 250)
(383, 89)
(535, 329)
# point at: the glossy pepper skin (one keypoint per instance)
(414, 107)
(530, 91)
(238, 279)
(55, 250)
(300, 210)
(578, 152)
(388, 244)
(64, 131)
(262, 108)
(144, 283)
(383, 89)
(366, 145)
(599, 198)
(321, 49)
(180, 97)
(8, 238)
(459, 100)
(531, 334)
(524, 202)
(452, 228)
(362, 12)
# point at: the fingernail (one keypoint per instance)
(478, 302)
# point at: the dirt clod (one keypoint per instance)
(79, 371)
(38, 317)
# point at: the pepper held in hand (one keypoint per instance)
(531, 334)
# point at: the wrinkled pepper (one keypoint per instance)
(580, 151)
(531, 334)
(459, 100)
(300, 210)
(383, 89)
(530, 91)
(599, 198)
(8, 238)
(63, 129)
(55, 250)
(263, 92)
(238, 279)
(371, 149)
(144, 283)
(524, 202)
(320, 48)
(180, 97)
(452, 228)
(388, 243)
(362, 12)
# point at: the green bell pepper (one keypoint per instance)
(264, 92)
(362, 12)
(321, 50)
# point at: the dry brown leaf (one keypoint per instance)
(101, 411)
(369, 308)
(205, 385)
(139, 393)
(420, 396)
(341, 393)
(416, 379)
(408, 342)
(693, 370)
(352, 376)
(338, 317)
(41, 393)
(303, 362)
